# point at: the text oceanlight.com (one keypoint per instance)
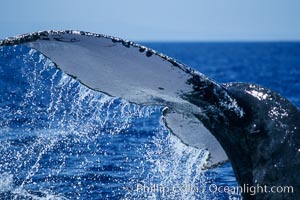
(250, 189)
(213, 188)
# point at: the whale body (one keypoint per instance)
(253, 127)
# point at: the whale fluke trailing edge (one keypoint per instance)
(258, 129)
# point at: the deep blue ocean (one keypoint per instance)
(62, 140)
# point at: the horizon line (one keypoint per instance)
(219, 41)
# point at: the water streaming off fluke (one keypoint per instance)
(60, 139)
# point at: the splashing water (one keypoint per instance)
(60, 139)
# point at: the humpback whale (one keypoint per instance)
(254, 128)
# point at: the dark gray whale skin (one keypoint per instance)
(265, 145)
(258, 129)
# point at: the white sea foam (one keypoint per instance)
(6, 182)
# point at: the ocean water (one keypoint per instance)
(62, 140)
